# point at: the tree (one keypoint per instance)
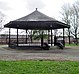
(1, 20)
(38, 33)
(66, 13)
(75, 21)
(71, 17)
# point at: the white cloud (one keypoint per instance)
(15, 9)
(32, 4)
(53, 7)
(18, 8)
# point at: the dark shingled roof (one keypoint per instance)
(36, 16)
(36, 20)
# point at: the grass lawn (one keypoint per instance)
(71, 45)
(39, 67)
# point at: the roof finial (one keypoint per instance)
(36, 9)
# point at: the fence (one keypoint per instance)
(4, 39)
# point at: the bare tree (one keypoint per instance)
(71, 17)
(75, 21)
(66, 13)
(1, 21)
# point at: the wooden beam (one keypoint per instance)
(31, 37)
(48, 36)
(26, 36)
(51, 37)
(9, 37)
(17, 37)
(69, 35)
(63, 38)
(42, 39)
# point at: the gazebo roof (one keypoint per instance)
(36, 20)
(36, 16)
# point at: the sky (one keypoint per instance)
(14, 9)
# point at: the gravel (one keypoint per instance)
(68, 53)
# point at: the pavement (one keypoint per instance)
(70, 53)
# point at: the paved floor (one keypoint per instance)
(69, 53)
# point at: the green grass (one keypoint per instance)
(39, 67)
(71, 45)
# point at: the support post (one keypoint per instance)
(42, 39)
(63, 38)
(9, 37)
(17, 37)
(31, 37)
(69, 35)
(26, 36)
(51, 37)
(48, 37)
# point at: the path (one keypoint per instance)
(69, 53)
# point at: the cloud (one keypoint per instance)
(4, 6)
(32, 4)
